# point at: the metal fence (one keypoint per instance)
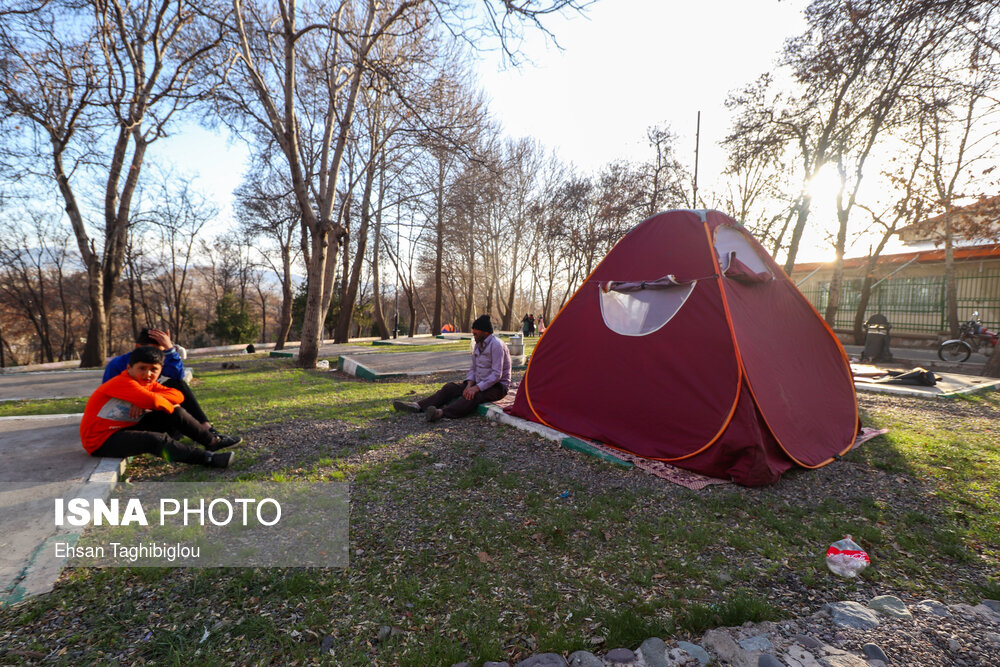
(915, 304)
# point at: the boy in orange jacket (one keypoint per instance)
(132, 414)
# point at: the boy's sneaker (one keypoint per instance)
(220, 460)
(405, 406)
(433, 414)
(223, 441)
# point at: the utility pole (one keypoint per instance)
(697, 141)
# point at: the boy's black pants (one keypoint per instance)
(190, 403)
(149, 436)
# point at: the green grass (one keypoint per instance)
(51, 406)
(467, 546)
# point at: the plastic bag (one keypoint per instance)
(846, 558)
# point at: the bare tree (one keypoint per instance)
(176, 220)
(330, 47)
(267, 209)
(96, 84)
(33, 282)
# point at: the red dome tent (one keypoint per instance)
(688, 344)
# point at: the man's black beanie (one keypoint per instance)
(483, 323)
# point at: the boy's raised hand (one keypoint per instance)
(162, 338)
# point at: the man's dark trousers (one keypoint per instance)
(460, 406)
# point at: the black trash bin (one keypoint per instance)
(877, 339)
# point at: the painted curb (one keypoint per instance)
(42, 569)
(353, 367)
(494, 413)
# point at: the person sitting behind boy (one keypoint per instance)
(133, 414)
(173, 371)
(487, 381)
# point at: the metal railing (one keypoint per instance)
(915, 304)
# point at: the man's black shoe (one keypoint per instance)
(220, 460)
(223, 441)
(433, 414)
(405, 406)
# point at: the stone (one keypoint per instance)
(326, 644)
(654, 652)
(323, 365)
(890, 605)
(876, 663)
(986, 612)
(619, 656)
(678, 656)
(852, 615)
(992, 604)
(796, 656)
(496, 664)
(544, 660)
(954, 645)
(725, 647)
(807, 641)
(992, 638)
(874, 652)
(383, 633)
(846, 660)
(584, 659)
(966, 610)
(758, 643)
(695, 651)
(932, 607)
(768, 660)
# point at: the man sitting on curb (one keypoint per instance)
(487, 381)
(132, 414)
(173, 372)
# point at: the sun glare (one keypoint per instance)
(824, 186)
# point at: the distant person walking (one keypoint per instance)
(525, 325)
(541, 325)
(488, 379)
(531, 324)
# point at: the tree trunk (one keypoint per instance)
(859, 314)
(285, 324)
(383, 330)
(950, 287)
(992, 368)
(350, 294)
(312, 320)
(800, 225)
(439, 250)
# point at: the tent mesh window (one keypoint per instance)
(732, 245)
(641, 312)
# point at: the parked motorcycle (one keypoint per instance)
(972, 337)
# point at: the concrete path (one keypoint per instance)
(43, 460)
(49, 384)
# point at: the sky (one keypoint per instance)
(623, 65)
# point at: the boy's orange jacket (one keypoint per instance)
(108, 407)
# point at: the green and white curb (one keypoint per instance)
(42, 568)
(494, 413)
(352, 367)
